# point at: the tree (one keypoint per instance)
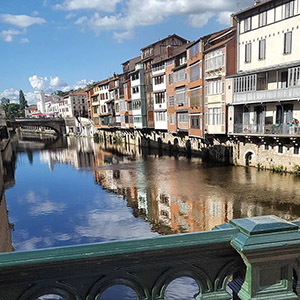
(23, 103)
(4, 104)
(13, 111)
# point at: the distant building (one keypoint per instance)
(30, 110)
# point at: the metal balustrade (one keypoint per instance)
(270, 129)
(258, 255)
(290, 93)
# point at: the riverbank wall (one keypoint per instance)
(271, 155)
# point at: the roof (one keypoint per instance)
(31, 107)
(253, 7)
(132, 62)
(169, 36)
(219, 39)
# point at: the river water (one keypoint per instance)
(75, 191)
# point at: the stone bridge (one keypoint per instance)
(58, 125)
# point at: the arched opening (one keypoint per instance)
(176, 145)
(182, 288)
(248, 158)
(188, 147)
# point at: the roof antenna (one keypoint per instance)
(238, 4)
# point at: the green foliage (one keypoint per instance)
(12, 110)
(278, 169)
(296, 170)
(118, 141)
(260, 166)
(22, 104)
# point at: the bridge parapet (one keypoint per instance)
(258, 255)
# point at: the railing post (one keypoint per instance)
(269, 247)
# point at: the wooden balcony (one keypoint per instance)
(257, 258)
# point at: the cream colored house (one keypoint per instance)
(266, 89)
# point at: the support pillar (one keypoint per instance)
(269, 247)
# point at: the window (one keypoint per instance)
(194, 72)
(135, 76)
(171, 118)
(171, 100)
(179, 75)
(194, 50)
(214, 87)
(287, 43)
(262, 19)
(195, 122)
(159, 98)
(159, 80)
(136, 104)
(294, 76)
(180, 96)
(170, 78)
(247, 24)
(195, 98)
(160, 116)
(280, 149)
(266, 147)
(214, 116)
(135, 90)
(296, 150)
(289, 9)
(262, 49)
(248, 52)
(214, 60)
(137, 119)
(95, 109)
(183, 118)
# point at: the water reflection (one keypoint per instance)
(57, 201)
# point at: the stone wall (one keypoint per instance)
(242, 152)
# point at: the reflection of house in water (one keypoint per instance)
(7, 171)
(79, 154)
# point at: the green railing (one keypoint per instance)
(256, 257)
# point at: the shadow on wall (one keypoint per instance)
(218, 153)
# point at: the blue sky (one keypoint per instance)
(62, 44)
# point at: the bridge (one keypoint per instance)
(58, 125)
(251, 258)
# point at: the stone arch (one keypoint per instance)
(231, 268)
(159, 142)
(60, 289)
(129, 280)
(191, 271)
(176, 144)
(249, 157)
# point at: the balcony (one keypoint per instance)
(267, 95)
(272, 129)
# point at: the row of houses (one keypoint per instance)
(241, 81)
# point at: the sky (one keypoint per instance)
(66, 44)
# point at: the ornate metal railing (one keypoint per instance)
(257, 257)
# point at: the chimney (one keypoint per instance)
(169, 51)
(232, 21)
(256, 2)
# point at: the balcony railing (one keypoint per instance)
(257, 258)
(273, 129)
(267, 95)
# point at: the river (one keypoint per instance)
(75, 191)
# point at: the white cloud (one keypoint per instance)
(49, 85)
(80, 84)
(101, 5)
(120, 36)
(139, 13)
(11, 94)
(24, 40)
(8, 35)
(22, 21)
(224, 17)
(70, 16)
